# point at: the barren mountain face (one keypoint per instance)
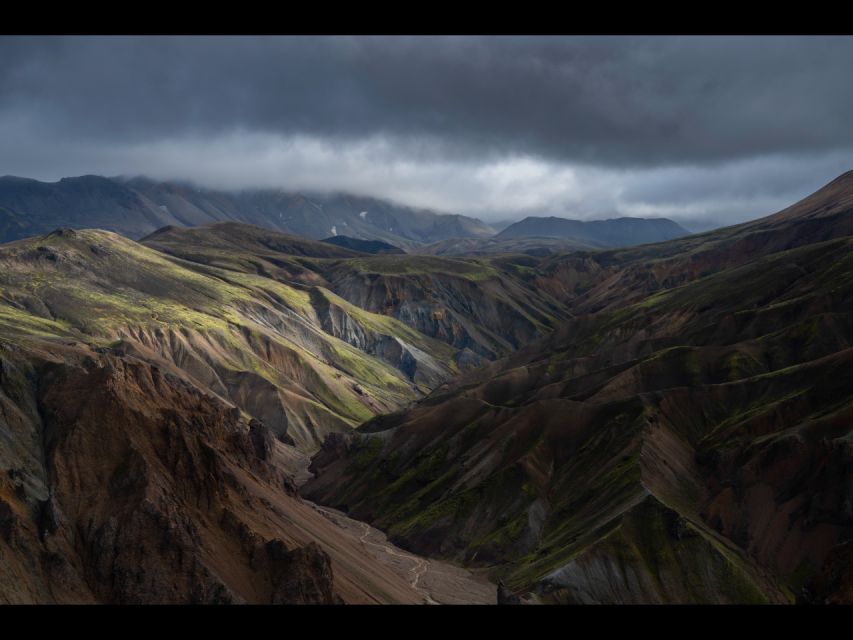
(224, 412)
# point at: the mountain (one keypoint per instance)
(619, 232)
(500, 225)
(157, 408)
(123, 483)
(491, 246)
(661, 423)
(683, 437)
(305, 336)
(364, 246)
(481, 307)
(139, 206)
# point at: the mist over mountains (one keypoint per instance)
(136, 207)
(225, 413)
(513, 320)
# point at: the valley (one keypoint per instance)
(229, 413)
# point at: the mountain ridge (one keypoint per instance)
(137, 207)
(658, 428)
(614, 232)
(663, 423)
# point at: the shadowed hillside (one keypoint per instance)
(683, 438)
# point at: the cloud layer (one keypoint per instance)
(709, 129)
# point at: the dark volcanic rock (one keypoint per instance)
(262, 439)
(300, 576)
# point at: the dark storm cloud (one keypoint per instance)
(585, 126)
(636, 101)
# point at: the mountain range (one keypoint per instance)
(198, 409)
(136, 207)
(619, 232)
(684, 437)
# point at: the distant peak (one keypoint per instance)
(90, 177)
(845, 177)
(62, 232)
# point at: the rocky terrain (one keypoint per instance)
(157, 409)
(665, 423)
(482, 307)
(124, 484)
(684, 437)
(156, 414)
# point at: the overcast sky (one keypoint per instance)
(703, 130)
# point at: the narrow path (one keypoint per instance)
(420, 568)
(448, 584)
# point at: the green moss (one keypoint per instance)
(21, 321)
(740, 365)
(369, 450)
(470, 269)
(739, 585)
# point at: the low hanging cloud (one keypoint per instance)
(704, 130)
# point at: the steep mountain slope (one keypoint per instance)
(619, 232)
(684, 438)
(122, 483)
(139, 206)
(140, 400)
(247, 338)
(483, 308)
(591, 282)
(305, 336)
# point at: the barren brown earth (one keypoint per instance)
(137, 488)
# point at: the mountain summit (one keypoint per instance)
(618, 232)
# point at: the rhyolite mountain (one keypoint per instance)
(302, 335)
(482, 307)
(158, 400)
(618, 232)
(124, 483)
(684, 437)
(138, 206)
(662, 423)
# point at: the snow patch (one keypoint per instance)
(334, 230)
(363, 215)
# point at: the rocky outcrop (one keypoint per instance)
(155, 492)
